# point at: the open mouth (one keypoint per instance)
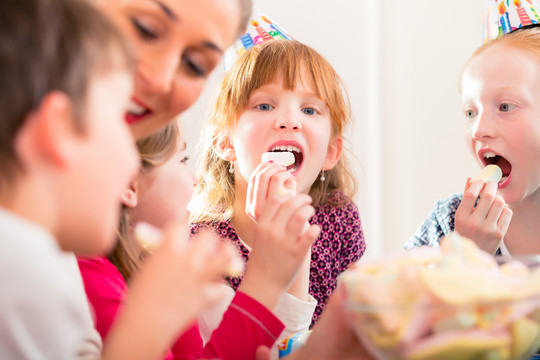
(298, 156)
(136, 112)
(489, 157)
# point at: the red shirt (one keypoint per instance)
(246, 324)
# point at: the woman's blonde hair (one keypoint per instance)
(154, 150)
(214, 197)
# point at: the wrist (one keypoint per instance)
(265, 292)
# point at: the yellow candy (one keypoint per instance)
(525, 335)
(490, 172)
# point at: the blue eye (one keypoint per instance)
(265, 107)
(309, 111)
(506, 107)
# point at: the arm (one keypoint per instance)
(159, 307)
(246, 325)
(295, 315)
(265, 189)
(332, 338)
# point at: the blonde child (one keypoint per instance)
(281, 96)
(158, 195)
(65, 156)
(501, 101)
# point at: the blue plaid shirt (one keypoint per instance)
(438, 224)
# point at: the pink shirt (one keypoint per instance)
(246, 324)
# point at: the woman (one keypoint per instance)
(177, 44)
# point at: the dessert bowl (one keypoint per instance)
(452, 302)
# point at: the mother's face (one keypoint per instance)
(177, 44)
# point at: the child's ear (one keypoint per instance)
(224, 148)
(130, 195)
(49, 131)
(333, 153)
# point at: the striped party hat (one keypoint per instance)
(504, 16)
(260, 29)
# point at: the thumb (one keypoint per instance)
(262, 353)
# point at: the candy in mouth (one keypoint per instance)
(490, 172)
(490, 158)
(281, 154)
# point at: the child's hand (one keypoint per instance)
(280, 246)
(486, 221)
(332, 337)
(267, 182)
(178, 280)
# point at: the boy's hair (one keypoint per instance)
(48, 45)
(214, 195)
(154, 150)
(526, 38)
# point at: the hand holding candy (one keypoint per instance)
(482, 215)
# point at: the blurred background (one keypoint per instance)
(401, 62)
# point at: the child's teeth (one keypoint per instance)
(489, 154)
(135, 108)
(289, 148)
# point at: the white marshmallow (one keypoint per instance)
(284, 158)
(490, 172)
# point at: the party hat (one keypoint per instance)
(504, 16)
(259, 30)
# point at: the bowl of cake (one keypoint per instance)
(452, 302)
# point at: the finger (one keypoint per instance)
(208, 255)
(470, 197)
(264, 188)
(504, 220)
(298, 222)
(262, 353)
(289, 209)
(176, 234)
(254, 182)
(495, 211)
(282, 180)
(487, 195)
(309, 237)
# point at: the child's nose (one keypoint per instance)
(288, 121)
(482, 128)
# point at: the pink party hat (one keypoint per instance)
(259, 30)
(504, 16)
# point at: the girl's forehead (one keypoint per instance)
(501, 69)
(283, 79)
